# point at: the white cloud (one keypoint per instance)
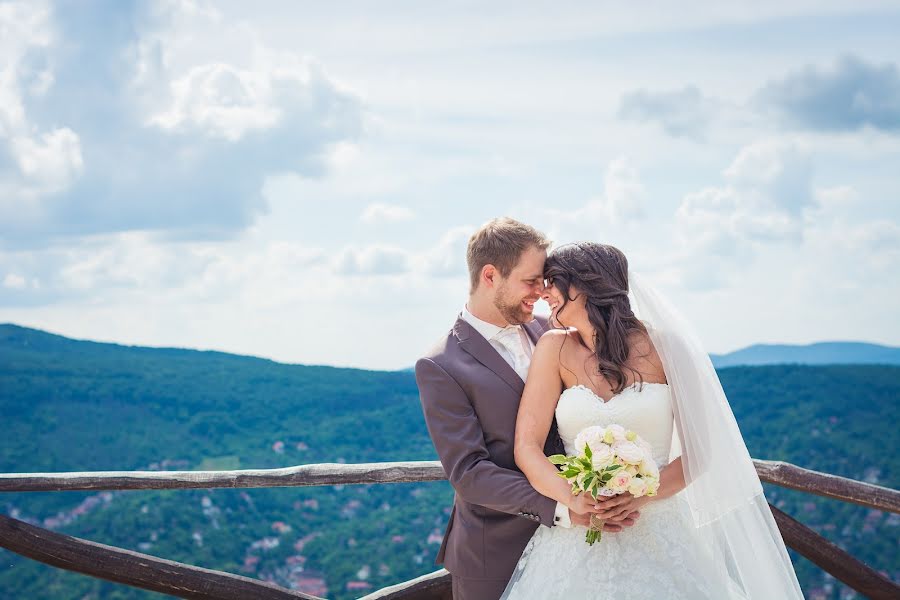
(38, 162)
(197, 111)
(24, 29)
(623, 192)
(386, 213)
(768, 188)
(849, 95)
(448, 257)
(221, 100)
(619, 206)
(119, 268)
(13, 281)
(681, 113)
(372, 260)
(52, 162)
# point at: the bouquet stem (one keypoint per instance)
(595, 531)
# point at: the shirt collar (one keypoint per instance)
(487, 330)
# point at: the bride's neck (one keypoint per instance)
(586, 332)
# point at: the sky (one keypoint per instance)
(298, 180)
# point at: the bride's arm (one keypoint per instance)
(671, 480)
(542, 391)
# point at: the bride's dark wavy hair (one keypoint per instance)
(600, 272)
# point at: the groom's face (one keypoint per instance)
(515, 295)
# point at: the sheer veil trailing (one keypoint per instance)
(732, 518)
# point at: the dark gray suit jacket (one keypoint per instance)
(470, 397)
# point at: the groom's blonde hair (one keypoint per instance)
(500, 242)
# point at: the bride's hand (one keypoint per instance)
(584, 504)
(612, 526)
(617, 507)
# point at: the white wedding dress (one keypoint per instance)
(657, 557)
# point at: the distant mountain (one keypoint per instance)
(69, 405)
(823, 353)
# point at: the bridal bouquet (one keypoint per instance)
(614, 461)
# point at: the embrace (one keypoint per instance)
(616, 365)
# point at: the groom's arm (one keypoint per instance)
(459, 441)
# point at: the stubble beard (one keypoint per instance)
(513, 313)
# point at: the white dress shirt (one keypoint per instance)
(514, 345)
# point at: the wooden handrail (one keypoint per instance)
(832, 559)
(778, 473)
(302, 475)
(827, 485)
(186, 581)
(133, 568)
(433, 586)
(141, 570)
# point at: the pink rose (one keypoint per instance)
(619, 482)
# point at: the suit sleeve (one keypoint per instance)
(459, 441)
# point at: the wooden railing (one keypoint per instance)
(177, 579)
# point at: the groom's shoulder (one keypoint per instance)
(445, 345)
(544, 322)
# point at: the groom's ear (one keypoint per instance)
(488, 273)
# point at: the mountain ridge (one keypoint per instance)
(817, 353)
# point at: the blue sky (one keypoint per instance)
(298, 180)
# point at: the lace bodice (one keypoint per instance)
(644, 408)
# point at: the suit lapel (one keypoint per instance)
(481, 350)
(535, 329)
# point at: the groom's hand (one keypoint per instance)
(585, 521)
(618, 525)
(577, 519)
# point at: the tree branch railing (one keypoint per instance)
(829, 557)
(148, 572)
(134, 568)
(779, 473)
(299, 476)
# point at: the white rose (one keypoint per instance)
(590, 436)
(629, 452)
(649, 468)
(602, 455)
(637, 487)
(618, 432)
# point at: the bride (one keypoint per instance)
(708, 533)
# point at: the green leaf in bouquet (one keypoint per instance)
(613, 468)
(587, 452)
(586, 463)
(558, 459)
(605, 477)
(570, 472)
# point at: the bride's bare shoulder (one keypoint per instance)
(642, 357)
(555, 338)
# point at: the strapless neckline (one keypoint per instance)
(599, 398)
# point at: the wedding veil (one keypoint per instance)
(732, 518)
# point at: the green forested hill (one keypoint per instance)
(69, 405)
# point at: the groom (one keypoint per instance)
(470, 385)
